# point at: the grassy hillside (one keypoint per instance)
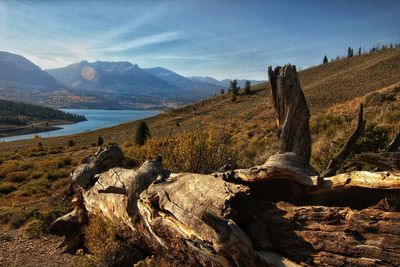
(34, 175)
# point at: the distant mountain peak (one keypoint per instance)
(17, 71)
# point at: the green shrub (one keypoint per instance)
(34, 229)
(36, 174)
(40, 224)
(54, 150)
(109, 246)
(197, 151)
(250, 154)
(56, 174)
(7, 188)
(71, 143)
(61, 163)
(100, 141)
(5, 216)
(34, 187)
(25, 166)
(130, 163)
(323, 122)
(18, 218)
(374, 139)
(5, 237)
(142, 133)
(17, 177)
(379, 98)
(37, 153)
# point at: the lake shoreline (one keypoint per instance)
(96, 119)
(34, 128)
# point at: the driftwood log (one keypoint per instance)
(276, 214)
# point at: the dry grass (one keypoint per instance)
(32, 185)
(34, 176)
(111, 246)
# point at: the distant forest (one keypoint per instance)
(18, 113)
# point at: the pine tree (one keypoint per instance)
(142, 133)
(233, 97)
(222, 91)
(234, 87)
(247, 87)
(100, 141)
(71, 143)
(325, 60)
(350, 52)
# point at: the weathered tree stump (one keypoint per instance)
(292, 111)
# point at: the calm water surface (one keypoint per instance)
(96, 119)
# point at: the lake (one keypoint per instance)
(96, 119)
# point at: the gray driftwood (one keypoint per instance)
(276, 214)
(292, 112)
(387, 161)
(337, 161)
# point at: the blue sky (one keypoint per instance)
(221, 39)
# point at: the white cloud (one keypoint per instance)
(143, 41)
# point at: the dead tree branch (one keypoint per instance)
(394, 145)
(337, 161)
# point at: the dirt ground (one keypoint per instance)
(16, 250)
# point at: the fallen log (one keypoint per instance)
(386, 161)
(275, 214)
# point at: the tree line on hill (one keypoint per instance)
(19, 113)
(234, 89)
(362, 51)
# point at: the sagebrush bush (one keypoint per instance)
(321, 123)
(33, 187)
(374, 139)
(26, 165)
(36, 174)
(17, 177)
(18, 218)
(40, 224)
(7, 188)
(196, 151)
(56, 174)
(54, 150)
(104, 241)
(34, 229)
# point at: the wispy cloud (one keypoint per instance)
(139, 42)
(191, 37)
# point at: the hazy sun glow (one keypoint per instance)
(88, 73)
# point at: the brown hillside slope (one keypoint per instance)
(33, 177)
(346, 79)
(324, 86)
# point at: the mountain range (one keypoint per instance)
(102, 84)
(15, 70)
(222, 83)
